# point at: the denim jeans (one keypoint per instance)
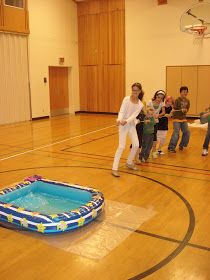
(175, 136)
(207, 138)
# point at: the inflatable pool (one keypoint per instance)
(47, 206)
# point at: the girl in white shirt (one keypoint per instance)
(129, 110)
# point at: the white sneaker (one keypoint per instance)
(205, 152)
(154, 155)
(161, 153)
(132, 167)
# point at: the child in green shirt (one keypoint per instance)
(148, 134)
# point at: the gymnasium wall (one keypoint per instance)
(154, 41)
(14, 89)
(53, 34)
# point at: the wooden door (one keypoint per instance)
(189, 79)
(58, 86)
(203, 88)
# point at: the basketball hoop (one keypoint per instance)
(197, 30)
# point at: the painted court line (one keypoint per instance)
(56, 143)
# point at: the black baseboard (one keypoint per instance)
(90, 112)
(40, 118)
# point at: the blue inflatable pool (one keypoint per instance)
(47, 206)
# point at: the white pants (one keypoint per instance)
(129, 129)
(161, 136)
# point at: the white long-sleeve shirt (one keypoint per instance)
(129, 110)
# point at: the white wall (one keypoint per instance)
(154, 41)
(53, 34)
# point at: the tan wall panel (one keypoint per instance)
(111, 88)
(102, 44)
(116, 5)
(103, 89)
(203, 88)
(1, 16)
(189, 79)
(116, 37)
(88, 30)
(104, 39)
(99, 6)
(111, 5)
(89, 88)
(116, 76)
(88, 7)
(173, 80)
(15, 19)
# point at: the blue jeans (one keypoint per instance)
(207, 138)
(175, 136)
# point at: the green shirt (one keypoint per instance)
(149, 127)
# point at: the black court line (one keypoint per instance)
(152, 162)
(121, 166)
(180, 247)
(197, 246)
(165, 238)
(87, 142)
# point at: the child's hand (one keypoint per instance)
(147, 121)
(123, 122)
(184, 110)
(167, 115)
(206, 115)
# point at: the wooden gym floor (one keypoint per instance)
(173, 244)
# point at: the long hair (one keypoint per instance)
(139, 86)
(162, 92)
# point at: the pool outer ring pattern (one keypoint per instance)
(54, 223)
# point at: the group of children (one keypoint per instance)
(147, 125)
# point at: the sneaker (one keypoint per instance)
(204, 152)
(143, 160)
(115, 173)
(132, 167)
(161, 153)
(181, 148)
(154, 155)
(171, 151)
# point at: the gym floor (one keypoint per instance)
(173, 243)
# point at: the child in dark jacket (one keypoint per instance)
(163, 124)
